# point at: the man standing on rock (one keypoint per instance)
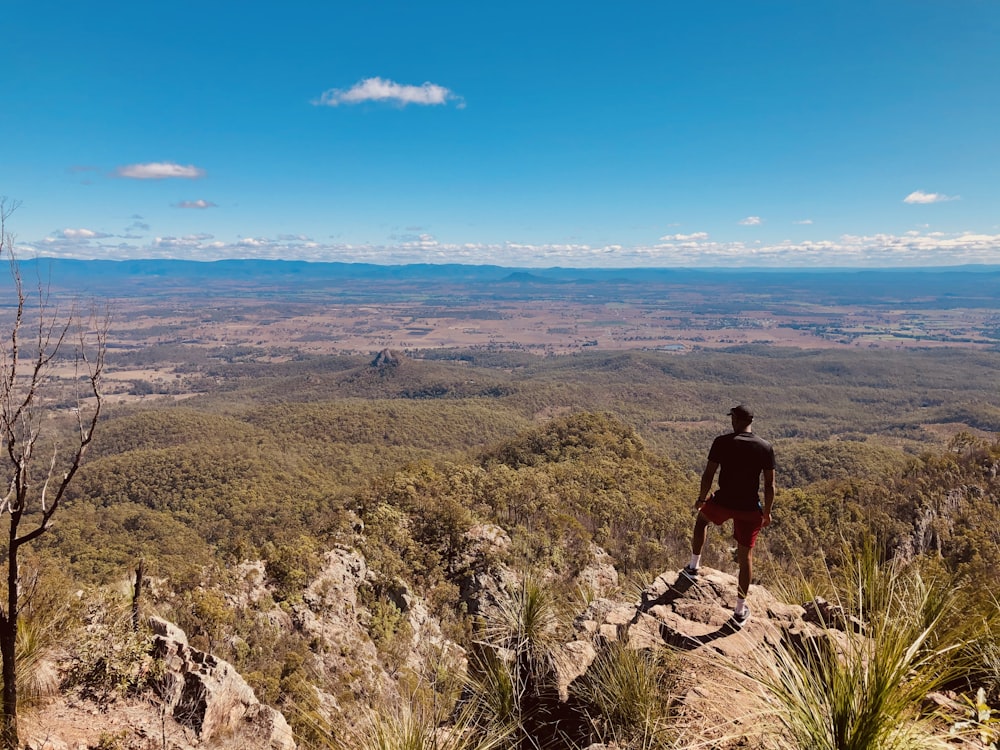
(743, 458)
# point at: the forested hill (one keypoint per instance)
(431, 482)
(961, 286)
(274, 453)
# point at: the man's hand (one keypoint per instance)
(766, 521)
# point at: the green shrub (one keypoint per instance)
(109, 659)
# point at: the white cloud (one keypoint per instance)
(919, 196)
(200, 203)
(751, 221)
(253, 242)
(383, 90)
(160, 170)
(803, 221)
(80, 234)
(190, 242)
(684, 237)
(912, 249)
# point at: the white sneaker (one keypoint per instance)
(739, 619)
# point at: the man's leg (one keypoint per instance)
(745, 556)
(697, 544)
(698, 537)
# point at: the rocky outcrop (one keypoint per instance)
(696, 615)
(207, 695)
(386, 359)
(482, 577)
(334, 619)
(600, 577)
(694, 618)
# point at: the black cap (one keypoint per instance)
(741, 412)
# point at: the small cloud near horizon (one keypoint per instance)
(803, 222)
(751, 221)
(82, 234)
(160, 170)
(378, 89)
(913, 248)
(684, 237)
(200, 203)
(920, 197)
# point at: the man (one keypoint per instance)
(743, 458)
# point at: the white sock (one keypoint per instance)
(741, 605)
(695, 562)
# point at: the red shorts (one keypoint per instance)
(746, 523)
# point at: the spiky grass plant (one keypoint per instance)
(47, 613)
(627, 693)
(494, 692)
(406, 728)
(984, 652)
(34, 644)
(512, 666)
(840, 691)
(525, 621)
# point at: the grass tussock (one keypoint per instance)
(36, 676)
(984, 654)
(863, 691)
(406, 728)
(628, 694)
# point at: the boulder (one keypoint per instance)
(600, 577)
(483, 578)
(210, 697)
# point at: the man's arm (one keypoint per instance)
(768, 494)
(707, 477)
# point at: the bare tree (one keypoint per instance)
(43, 353)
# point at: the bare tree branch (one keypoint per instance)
(34, 492)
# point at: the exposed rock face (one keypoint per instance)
(690, 616)
(386, 359)
(695, 617)
(483, 579)
(821, 612)
(209, 696)
(330, 614)
(600, 577)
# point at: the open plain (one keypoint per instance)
(164, 313)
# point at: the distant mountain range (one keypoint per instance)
(956, 286)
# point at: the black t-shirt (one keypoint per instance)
(743, 457)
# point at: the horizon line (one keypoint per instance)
(443, 264)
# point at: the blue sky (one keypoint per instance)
(521, 134)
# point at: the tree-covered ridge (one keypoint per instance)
(280, 454)
(557, 490)
(565, 458)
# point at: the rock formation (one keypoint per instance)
(386, 359)
(209, 696)
(693, 619)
